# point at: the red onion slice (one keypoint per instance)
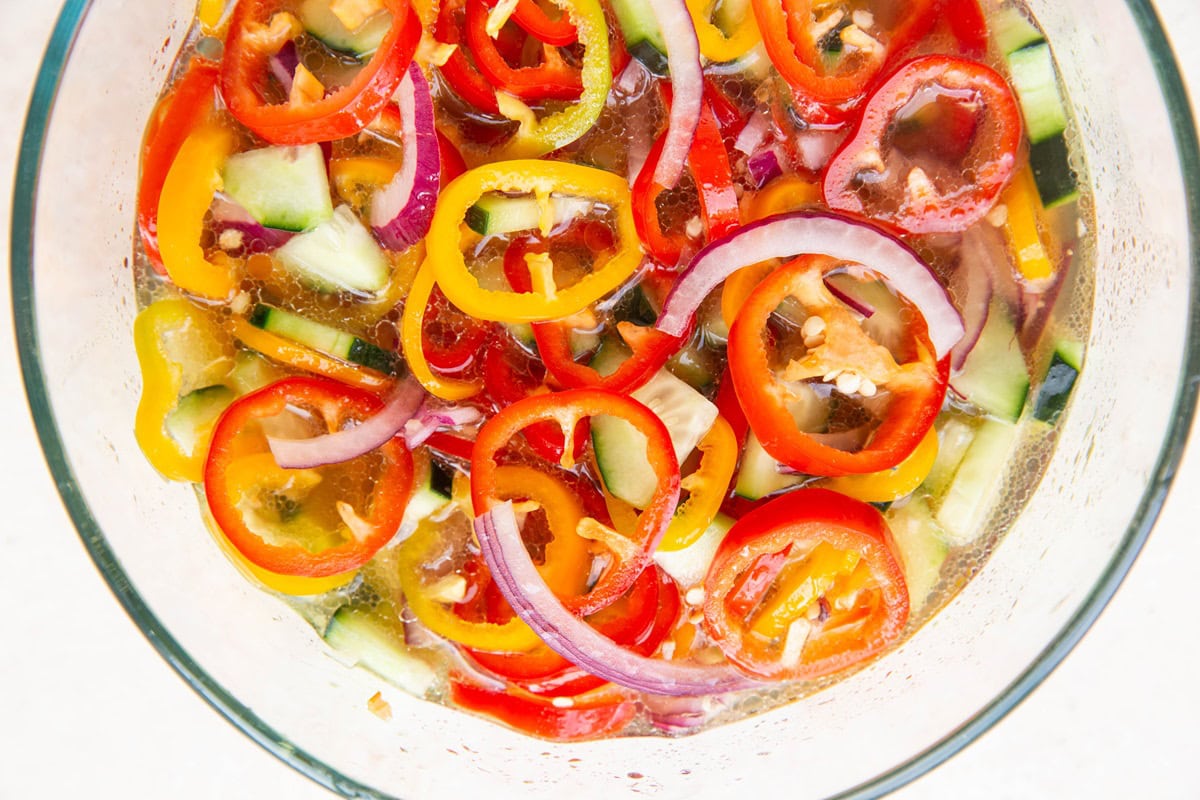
(687, 87)
(972, 287)
(343, 445)
(256, 237)
(754, 132)
(764, 166)
(788, 235)
(283, 65)
(427, 421)
(403, 210)
(575, 640)
(863, 308)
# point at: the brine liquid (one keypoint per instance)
(619, 143)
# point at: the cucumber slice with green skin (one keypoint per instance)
(963, 508)
(1057, 383)
(340, 254)
(252, 371)
(322, 23)
(427, 499)
(689, 565)
(281, 187)
(954, 437)
(620, 448)
(921, 546)
(1035, 82)
(994, 376)
(378, 645)
(1052, 174)
(758, 474)
(1012, 31)
(496, 214)
(643, 39)
(319, 336)
(195, 415)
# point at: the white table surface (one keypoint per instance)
(88, 708)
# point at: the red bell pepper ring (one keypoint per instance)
(708, 162)
(968, 113)
(807, 550)
(238, 436)
(176, 116)
(639, 620)
(603, 715)
(511, 374)
(451, 340)
(553, 79)
(651, 348)
(788, 28)
(537, 23)
(344, 111)
(567, 409)
(452, 161)
(466, 81)
(731, 409)
(916, 382)
(967, 25)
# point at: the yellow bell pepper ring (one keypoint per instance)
(714, 44)
(162, 330)
(567, 560)
(539, 178)
(891, 484)
(513, 636)
(411, 324)
(706, 487)
(296, 585)
(538, 137)
(190, 184)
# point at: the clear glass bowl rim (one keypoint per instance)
(54, 61)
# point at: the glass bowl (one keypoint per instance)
(262, 666)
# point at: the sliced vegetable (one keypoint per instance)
(281, 187)
(341, 113)
(972, 493)
(282, 520)
(934, 121)
(805, 586)
(337, 255)
(318, 336)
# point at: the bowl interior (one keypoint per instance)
(263, 667)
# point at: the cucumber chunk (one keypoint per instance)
(643, 39)
(322, 23)
(621, 449)
(252, 371)
(281, 187)
(954, 437)
(496, 214)
(378, 646)
(427, 499)
(1012, 31)
(1052, 174)
(1058, 382)
(969, 498)
(340, 254)
(994, 376)
(922, 548)
(758, 474)
(689, 565)
(1035, 82)
(329, 340)
(196, 413)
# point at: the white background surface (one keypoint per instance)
(87, 707)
